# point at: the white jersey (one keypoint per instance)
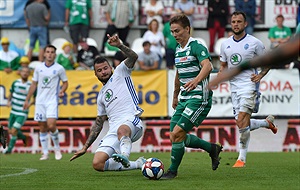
(234, 53)
(118, 99)
(48, 79)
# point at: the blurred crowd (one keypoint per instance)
(157, 45)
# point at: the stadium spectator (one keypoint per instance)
(46, 80)
(117, 101)
(18, 91)
(217, 20)
(120, 15)
(37, 17)
(191, 99)
(154, 10)
(147, 60)
(249, 8)
(86, 55)
(186, 7)
(279, 34)
(9, 59)
(24, 62)
(66, 58)
(245, 87)
(46, 3)
(286, 52)
(170, 43)
(119, 56)
(156, 38)
(79, 19)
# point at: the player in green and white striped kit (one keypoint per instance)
(191, 100)
(18, 116)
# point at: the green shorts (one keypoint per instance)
(16, 121)
(190, 113)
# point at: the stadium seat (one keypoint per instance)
(218, 44)
(58, 42)
(33, 64)
(137, 45)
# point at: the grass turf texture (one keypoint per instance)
(263, 171)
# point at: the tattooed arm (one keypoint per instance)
(95, 131)
(131, 55)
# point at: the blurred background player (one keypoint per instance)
(46, 79)
(16, 99)
(118, 101)
(244, 87)
(192, 61)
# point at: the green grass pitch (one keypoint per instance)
(263, 171)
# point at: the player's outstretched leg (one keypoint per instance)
(122, 159)
(140, 161)
(270, 119)
(169, 175)
(214, 155)
(2, 137)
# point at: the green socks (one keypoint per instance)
(21, 135)
(11, 144)
(193, 141)
(177, 153)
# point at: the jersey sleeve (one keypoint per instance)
(35, 76)
(100, 106)
(11, 90)
(260, 48)
(222, 53)
(123, 70)
(62, 75)
(200, 52)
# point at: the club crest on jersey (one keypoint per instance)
(203, 53)
(235, 59)
(54, 72)
(46, 80)
(187, 53)
(108, 95)
(246, 46)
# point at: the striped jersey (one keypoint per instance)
(48, 78)
(234, 52)
(187, 62)
(19, 91)
(117, 98)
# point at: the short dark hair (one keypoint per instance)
(100, 59)
(180, 19)
(50, 46)
(235, 13)
(280, 16)
(145, 43)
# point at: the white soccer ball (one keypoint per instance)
(153, 168)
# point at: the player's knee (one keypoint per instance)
(177, 136)
(98, 166)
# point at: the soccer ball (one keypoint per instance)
(153, 168)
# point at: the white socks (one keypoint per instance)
(257, 123)
(55, 139)
(111, 165)
(125, 146)
(244, 142)
(44, 142)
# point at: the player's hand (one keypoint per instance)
(26, 105)
(78, 154)
(189, 86)
(256, 78)
(61, 94)
(113, 40)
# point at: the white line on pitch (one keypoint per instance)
(26, 171)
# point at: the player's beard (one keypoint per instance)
(238, 32)
(104, 80)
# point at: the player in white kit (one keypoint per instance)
(245, 86)
(46, 79)
(117, 102)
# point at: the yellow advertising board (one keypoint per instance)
(81, 96)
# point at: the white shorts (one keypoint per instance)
(243, 102)
(45, 111)
(110, 143)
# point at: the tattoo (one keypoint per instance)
(95, 130)
(264, 71)
(131, 55)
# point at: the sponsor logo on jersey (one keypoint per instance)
(235, 59)
(108, 95)
(46, 80)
